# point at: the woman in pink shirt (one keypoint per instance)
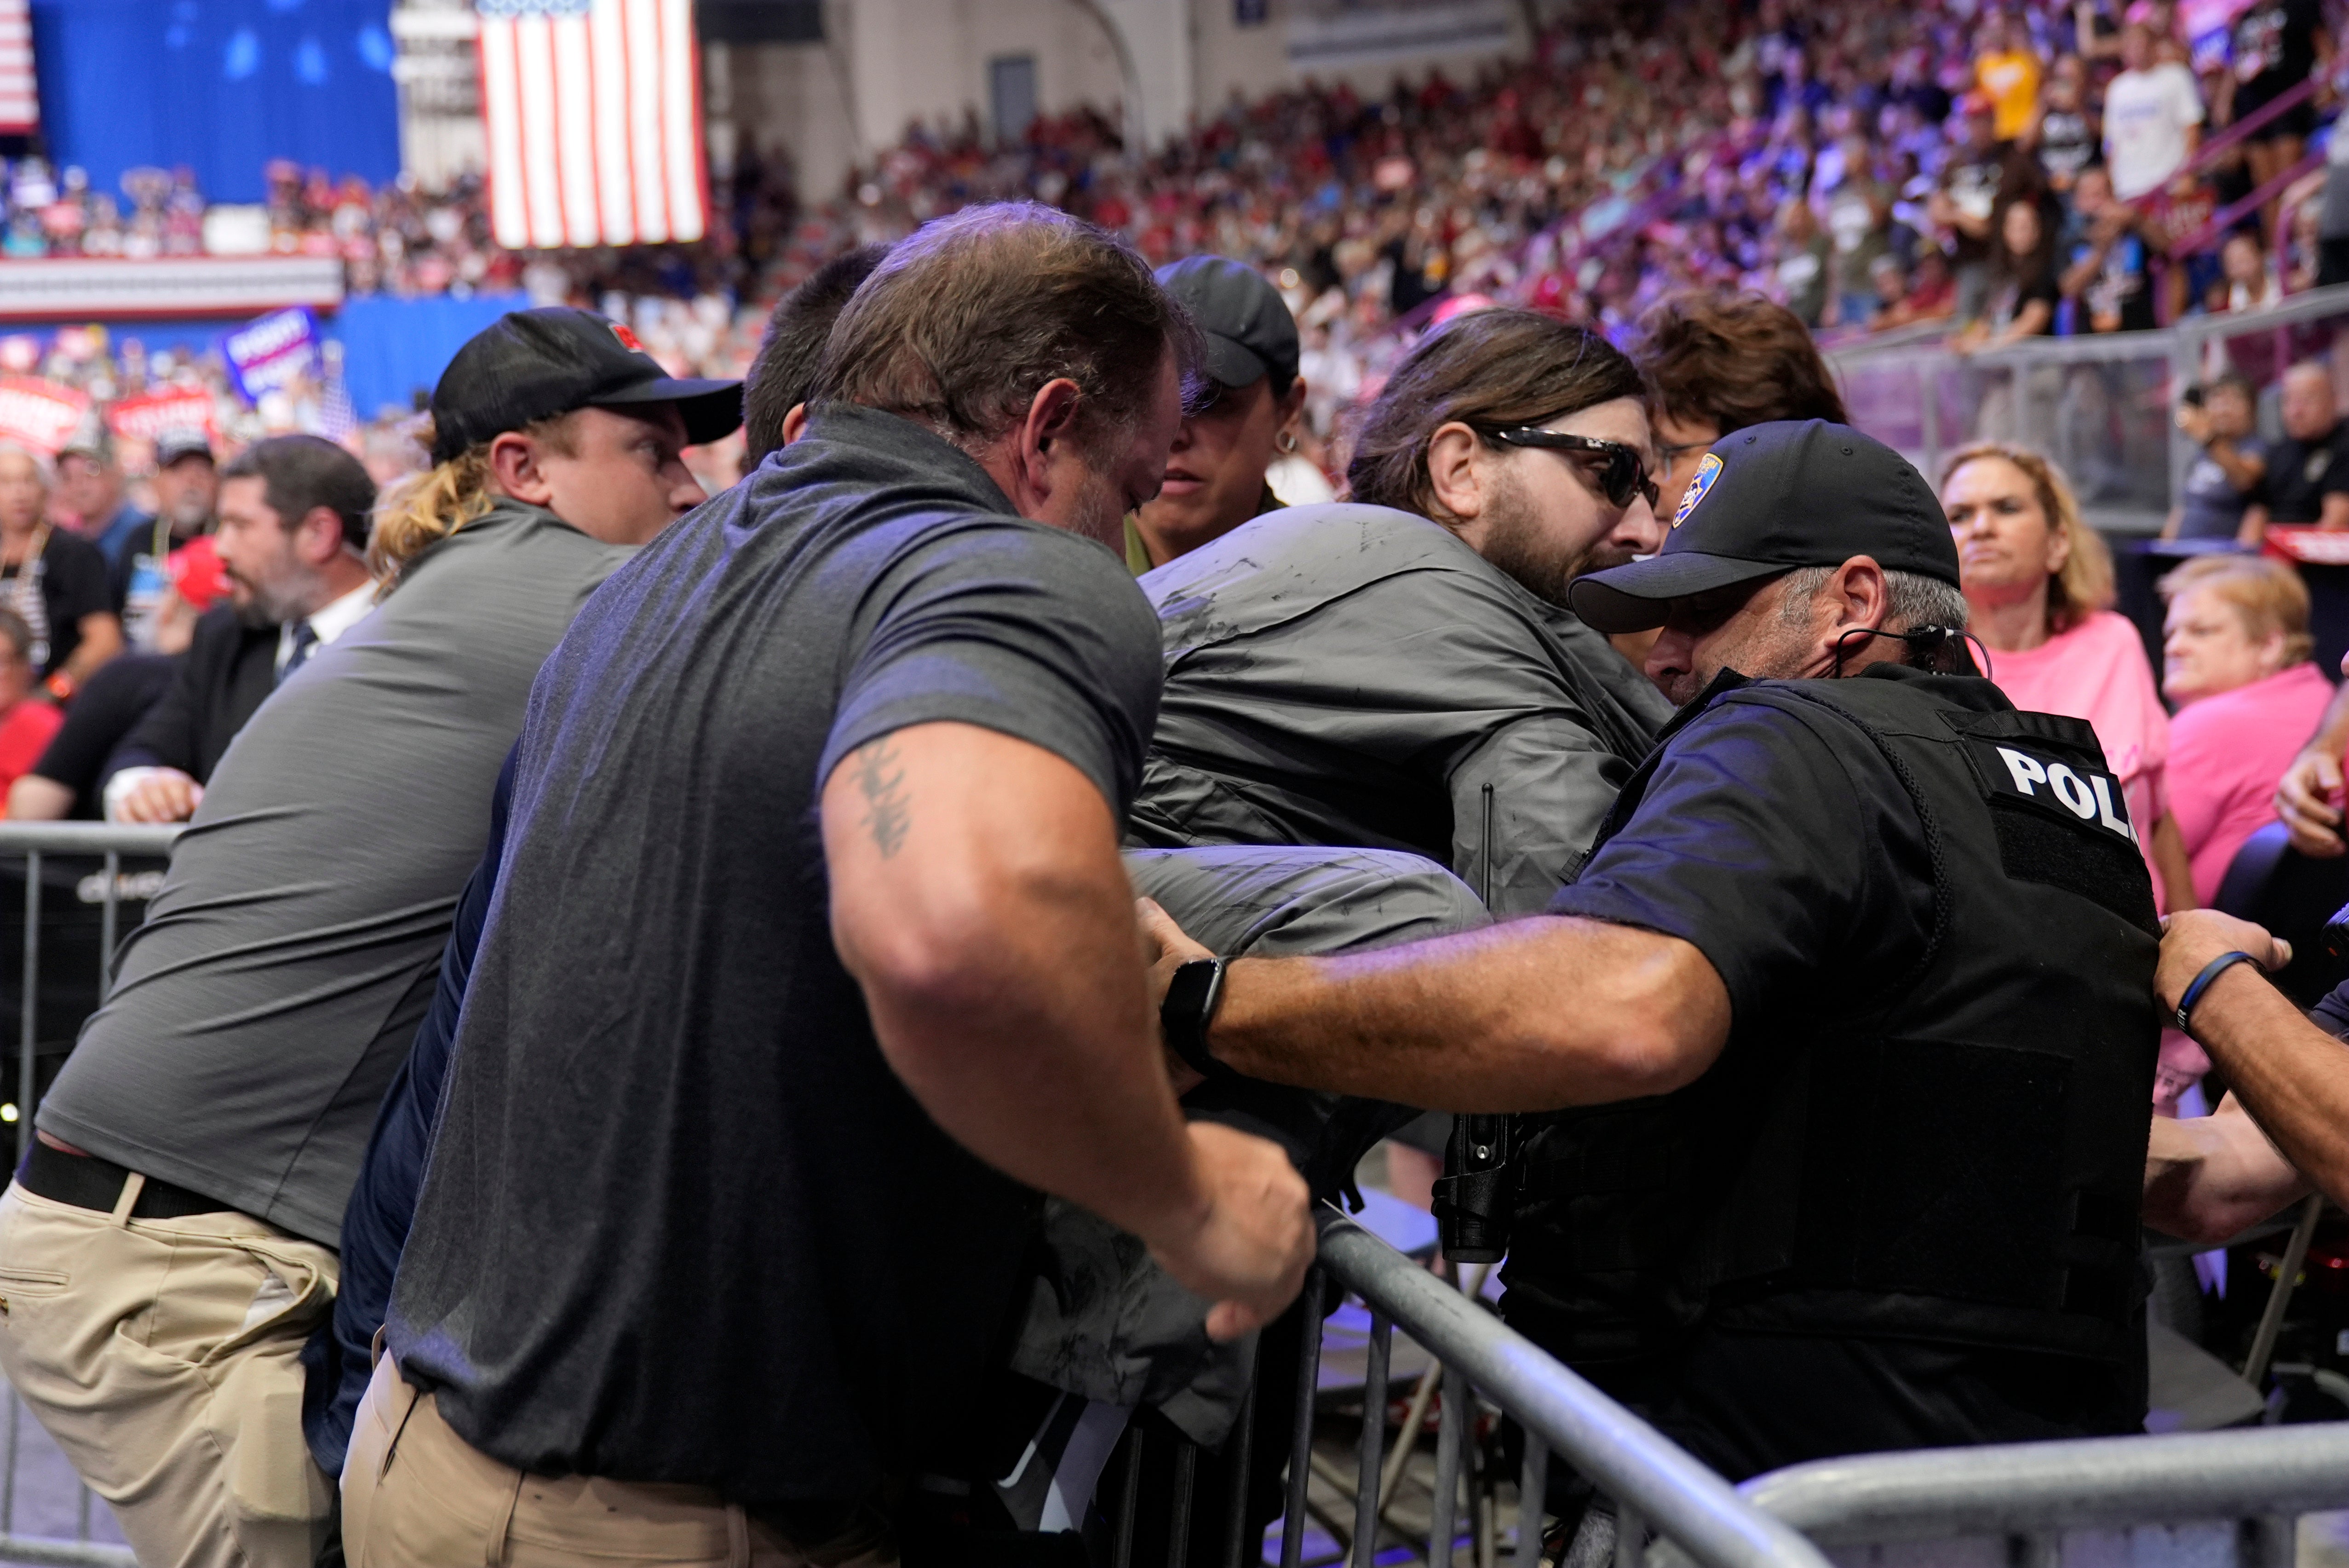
(2039, 583)
(2236, 661)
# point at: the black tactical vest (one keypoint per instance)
(1952, 1154)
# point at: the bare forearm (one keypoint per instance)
(2208, 1178)
(32, 798)
(2292, 1076)
(101, 639)
(1531, 1015)
(2243, 473)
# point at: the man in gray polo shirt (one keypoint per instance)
(166, 1246)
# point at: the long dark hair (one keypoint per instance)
(1488, 370)
(2005, 264)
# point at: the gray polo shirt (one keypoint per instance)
(260, 1012)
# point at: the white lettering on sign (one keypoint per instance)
(2026, 770)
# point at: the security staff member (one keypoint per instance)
(1885, 947)
(1216, 471)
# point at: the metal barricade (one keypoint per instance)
(2185, 1501)
(35, 1477)
(2199, 1498)
(1659, 1490)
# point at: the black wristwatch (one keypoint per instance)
(1189, 1009)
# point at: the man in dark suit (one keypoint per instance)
(292, 542)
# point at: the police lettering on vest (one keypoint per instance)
(2083, 793)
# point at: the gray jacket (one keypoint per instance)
(1356, 676)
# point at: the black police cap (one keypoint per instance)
(536, 364)
(1250, 333)
(1794, 493)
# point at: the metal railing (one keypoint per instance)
(39, 844)
(1658, 1489)
(2100, 404)
(2201, 1499)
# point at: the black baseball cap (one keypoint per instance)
(536, 364)
(1250, 333)
(182, 442)
(1793, 492)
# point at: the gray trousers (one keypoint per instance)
(1103, 1322)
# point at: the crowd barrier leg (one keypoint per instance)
(28, 1009)
(34, 842)
(1374, 1432)
(1300, 1447)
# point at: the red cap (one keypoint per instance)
(196, 574)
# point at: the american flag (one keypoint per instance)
(20, 101)
(593, 110)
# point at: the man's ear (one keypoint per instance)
(1452, 472)
(1861, 595)
(515, 468)
(1051, 422)
(318, 537)
(795, 423)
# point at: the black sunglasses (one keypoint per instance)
(1624, 475)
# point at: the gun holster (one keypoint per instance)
(1475, 1197)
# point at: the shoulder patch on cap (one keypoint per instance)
(1706, 472)
(627, 338)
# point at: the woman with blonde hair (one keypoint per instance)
(2039, 583)
(2235, 657)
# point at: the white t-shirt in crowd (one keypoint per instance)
(2146, 114)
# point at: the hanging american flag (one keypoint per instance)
(20, 101)
(593, 112)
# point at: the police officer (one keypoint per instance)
(1884, 948)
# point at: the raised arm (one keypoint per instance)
(991, 931)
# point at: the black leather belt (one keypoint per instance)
(89, 1182)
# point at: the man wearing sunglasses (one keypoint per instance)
(1399, 672)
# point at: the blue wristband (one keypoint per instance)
(2210, 971)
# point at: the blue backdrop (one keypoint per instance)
(393, 347)
(223, 86)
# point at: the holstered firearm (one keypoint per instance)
(1476, 1196)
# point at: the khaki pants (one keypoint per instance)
(416, 1495)
(162, 1356)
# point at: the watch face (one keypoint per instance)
(1187, 994)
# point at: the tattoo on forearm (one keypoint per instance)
(887, 812)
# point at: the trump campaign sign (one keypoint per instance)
(148, 417)
(41, 413)
(269, 351)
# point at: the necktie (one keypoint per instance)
(305, 642)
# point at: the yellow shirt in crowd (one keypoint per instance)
(2011, 80)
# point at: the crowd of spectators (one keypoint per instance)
(2014, 169)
